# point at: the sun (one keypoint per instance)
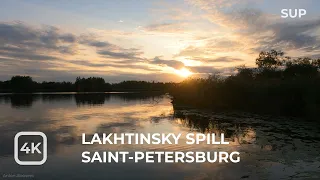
(183, 72)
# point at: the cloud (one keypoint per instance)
(225, 33)
(298, 34)
(86, 63)
(16, 33)
(167, 28)
(48, 53)
(211, 47)
(171, 63)
(30, 40)
(44, 51)
(192, 51)
(25, 55)
(203, 71)
(227, 14)
(118, 64)
(121, 55)
(92, 40)
(246, 31)
(99, 44)
(173, 11)
(109, 50)
(224, 59)
(213, 4)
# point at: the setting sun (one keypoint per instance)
(184, 72)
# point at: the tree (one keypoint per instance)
(91, 84)
(270, 60)
(301, 67)
(22, 84)
(245, 72)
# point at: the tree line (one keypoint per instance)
(25, 84)
(279, 85)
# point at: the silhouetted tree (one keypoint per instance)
(301, 67)
(270, 59)
(91, 84)
(21, 84)
(244, 72)
(56, 87)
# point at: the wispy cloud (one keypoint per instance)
(167, 28)
(170, 63)
(216, 34)
(243, 31)
(52, 50)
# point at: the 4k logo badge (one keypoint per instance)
(30, 148)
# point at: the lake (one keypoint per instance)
(270, 147)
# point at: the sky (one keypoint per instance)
(149, 40)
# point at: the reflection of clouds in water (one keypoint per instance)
(9, 127)
(63, 122)
(117, 127)
(87, 120)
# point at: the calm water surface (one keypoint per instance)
(270, 147)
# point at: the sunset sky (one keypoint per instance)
(148, 40)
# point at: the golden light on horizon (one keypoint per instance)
(183, 72)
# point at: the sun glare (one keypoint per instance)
(183, 72)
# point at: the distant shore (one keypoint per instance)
(25, 84)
